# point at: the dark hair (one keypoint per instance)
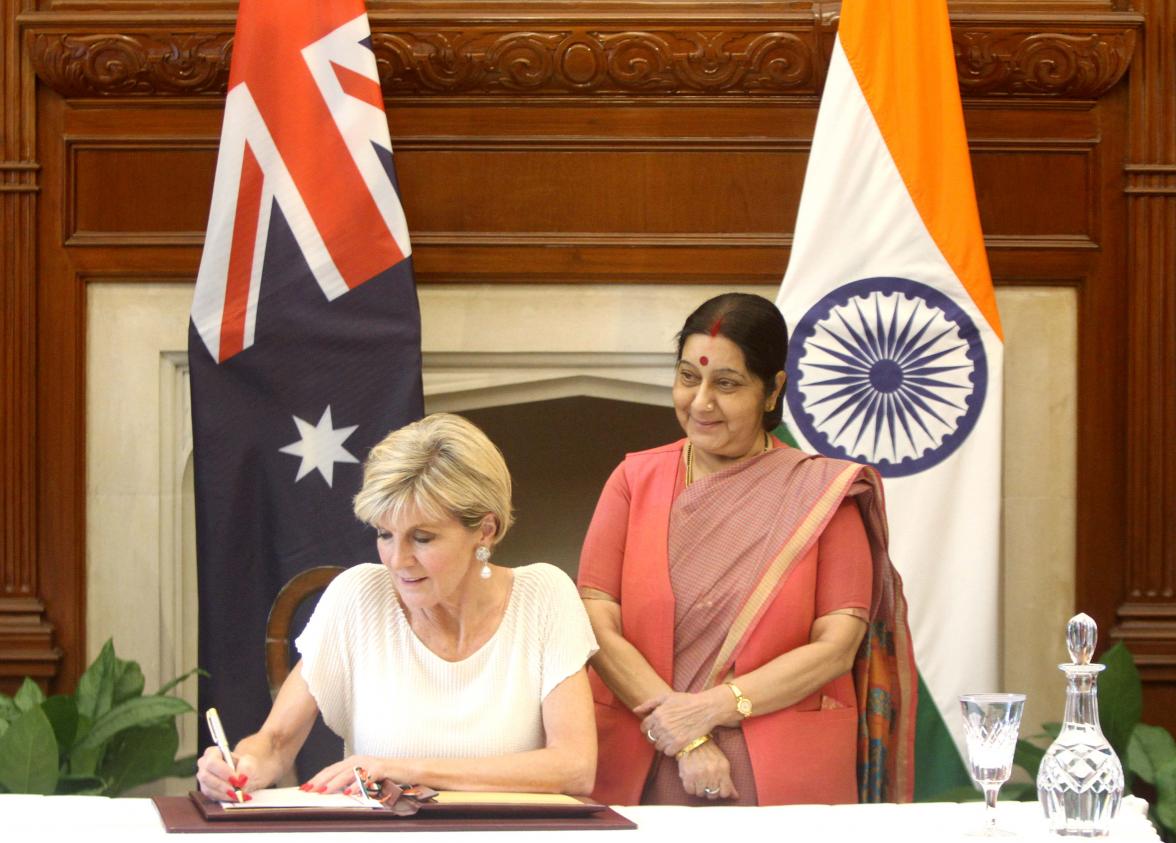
(755, 325)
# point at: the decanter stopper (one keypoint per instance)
(1081, 636)
(1080, 781)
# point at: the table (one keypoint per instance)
(101, 820)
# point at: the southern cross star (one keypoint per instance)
(320, 447)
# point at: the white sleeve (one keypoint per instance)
(568, 641)
(326, 658)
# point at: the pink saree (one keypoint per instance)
(745, 582)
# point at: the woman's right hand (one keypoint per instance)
(706, 772)
(218, 782)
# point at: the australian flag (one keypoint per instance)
(304, 343)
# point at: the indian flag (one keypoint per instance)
(896, 347)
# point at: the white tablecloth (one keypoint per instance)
(101, 820)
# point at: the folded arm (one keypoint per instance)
(677, 718)
(705, 772)
(619, 663)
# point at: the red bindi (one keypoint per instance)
(703, 360)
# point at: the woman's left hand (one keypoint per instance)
(341, 776)
(675, 719)
(706, 773)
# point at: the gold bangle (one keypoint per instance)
(690, 747)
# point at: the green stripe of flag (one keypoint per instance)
(784, 434)
(938, 767)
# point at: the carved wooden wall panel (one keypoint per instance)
(594, 141)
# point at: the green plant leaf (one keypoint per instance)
(62, 712)
(140, 755)
(83, 762)
(80, 785)
(199, 671)
(140, 711)
(1120, 697)
(1166, 798)
(128, 681)
(28, 754)
(8, 709)
(28, 696)
(95, 691)
(1150, 748)
(3, 726)
(183, 768)
(1028, 757)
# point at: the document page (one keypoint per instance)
(293, 797)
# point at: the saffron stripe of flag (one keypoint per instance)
(896, 349)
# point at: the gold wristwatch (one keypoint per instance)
(742, 703)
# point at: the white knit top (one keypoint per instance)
(387, 694)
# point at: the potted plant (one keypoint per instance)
(103, 739)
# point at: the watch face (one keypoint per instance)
(744, 706)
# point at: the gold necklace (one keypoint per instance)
(690, 456)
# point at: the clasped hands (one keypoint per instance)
(673, 720)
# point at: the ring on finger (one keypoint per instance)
(649, 734)
(710, 791)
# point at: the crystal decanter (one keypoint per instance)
(1080, 782)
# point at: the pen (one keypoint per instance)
(218, 737)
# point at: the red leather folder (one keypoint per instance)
(196, 813)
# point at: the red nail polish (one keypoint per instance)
(347, 791)
(248, 798)
(304, 787)
(322, 788)
(244, 780)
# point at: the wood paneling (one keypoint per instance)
(1066, 170)
(598, 141)
(1146, 609)
(27, 645)
(138, 205)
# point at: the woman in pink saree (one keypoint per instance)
(753, 640)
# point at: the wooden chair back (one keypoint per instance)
(297, 591)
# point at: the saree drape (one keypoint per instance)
(769, 514)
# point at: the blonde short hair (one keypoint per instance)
(443, 466)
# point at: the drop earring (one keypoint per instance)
(482, 554)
